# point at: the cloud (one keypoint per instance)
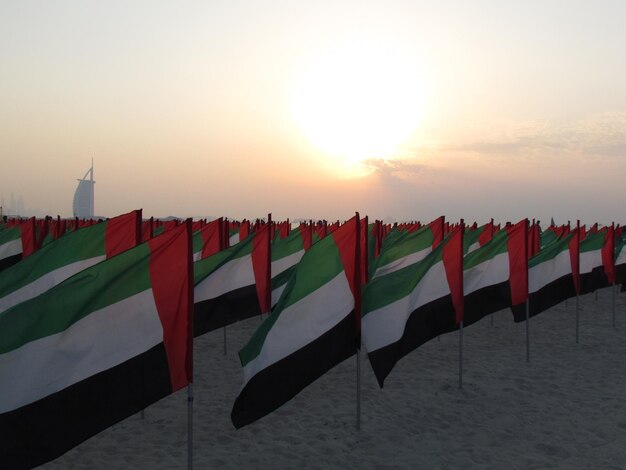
(601, 135)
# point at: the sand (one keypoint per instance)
(565, 409)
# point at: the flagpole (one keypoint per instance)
(461, 354)
(577, 328)
(358, 389)
(225, 343)
(190, 426)
(613, 302)
(527, 331)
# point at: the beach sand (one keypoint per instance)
(565, 409)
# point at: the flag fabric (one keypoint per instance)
(592, 264)
(404, 248)
(475, 238)
(71, 253)
(405, 308)
(10, 246)
(95, 349)
(495, 274)
(551, 276)
(286, 254)
(620, 257)
(312, 328)
(230, 285)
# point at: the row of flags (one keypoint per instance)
(98, 323)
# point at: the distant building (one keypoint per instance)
(83, 206)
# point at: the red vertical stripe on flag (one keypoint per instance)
(518, 261)
(608, 254)
(347, 238)
(437, 227)
(261, 265)
(29, 243)
(212, 237)
(171, 275)
(574, 253)
(306, 231)
(122, 233)
(453, 263)
(364, 268)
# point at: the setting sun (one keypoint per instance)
(360, 101)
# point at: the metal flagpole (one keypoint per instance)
(225, 343)
(577, 301)
(358, 389)
(613, 302)
(527, 331)
(461, 354)
(190, 426)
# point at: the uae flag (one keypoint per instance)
(550, 276)
(495, 274)
(404, 248)
(312, 328)
(208, 240)
(95, 349)
(233, 284)
(620, 257)
(473, 239)
(286, 254)
(595, 247)
(10, 246)
(405, 308)
(70, 254)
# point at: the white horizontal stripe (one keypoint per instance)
(590, 260)
(98, 342)
(549, 271)
(285, 263)
(621, 256)
(233, 275)
(12, 248)
(197, 256)
(233, 240)
(304, 322)
(401, 262)
(46, 282)
(276, 293)
(473, 247)
(386, 325)
(488, 273)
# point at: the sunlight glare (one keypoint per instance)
(361, 101)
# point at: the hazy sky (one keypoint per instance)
(315, 109)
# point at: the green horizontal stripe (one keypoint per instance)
(283, 247)
(90, 290)
(498, 244)
(204, 267)
(592, 242)
(82, 244)
(9, 234)
(404, 244)
(550, 252)
(318, 266)
(396, 285)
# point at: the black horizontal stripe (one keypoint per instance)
(45, 429)
(280, 382)
(228, 308)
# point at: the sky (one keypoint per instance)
(401, 110)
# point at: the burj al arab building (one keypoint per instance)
(83, 206)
